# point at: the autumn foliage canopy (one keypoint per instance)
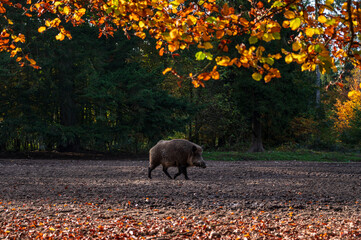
(321, 34)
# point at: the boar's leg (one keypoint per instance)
(165, 170)
(150, 169)
(182, 169)
(185, 173)
(150, 172)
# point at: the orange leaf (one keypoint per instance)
(215, 75)
(161, 52)
(267, 78)
(219, 34)
(173, 47)
(289, 14)
(340, 84)
(225, 10)
(223, 61)
(167, 70)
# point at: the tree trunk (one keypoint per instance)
(257, 145)
(68, 107)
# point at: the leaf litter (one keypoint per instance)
(77, 199)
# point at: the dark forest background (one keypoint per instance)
(109, 95)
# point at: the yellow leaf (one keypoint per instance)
(81, 11)
(268, 37)
(310, 32)
(167, 70)
(57, 3)
(141, 24)
(60, 37)
(257, 76)
(300, 58)
(67, 10)
(192, 18)
(295, 23)
(354, 95)
(55, 22)
(311, 48)
(296, 46)
(313, 67)
(183, 46)
(322, 19)
(52, 229)
(41, 29)
(288, 58)
(223, 61)
(329, 2)
(173, 34)
(305, 66)
(289, 14)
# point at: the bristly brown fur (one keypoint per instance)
(175, 153)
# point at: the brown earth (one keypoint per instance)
(114, 199)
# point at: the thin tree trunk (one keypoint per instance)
(68, 108)
(257, 145)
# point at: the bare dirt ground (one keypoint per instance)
(114, 199)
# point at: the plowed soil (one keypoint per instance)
(227, 200)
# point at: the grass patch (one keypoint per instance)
(299, 155)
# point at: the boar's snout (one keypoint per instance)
(201, 164)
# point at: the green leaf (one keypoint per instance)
(331, 21)
(253, 40)
(174, 3)
(278, 4)
(295, 23)
(211, 20)
(209, 56)
(257, 76)
(277, 35)
(270, 61)
(318, 48)
(200, 56)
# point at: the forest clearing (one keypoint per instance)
(114, 199)
(265, 84)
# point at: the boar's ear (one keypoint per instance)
(194, 149)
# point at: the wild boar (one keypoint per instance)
(175, 153)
